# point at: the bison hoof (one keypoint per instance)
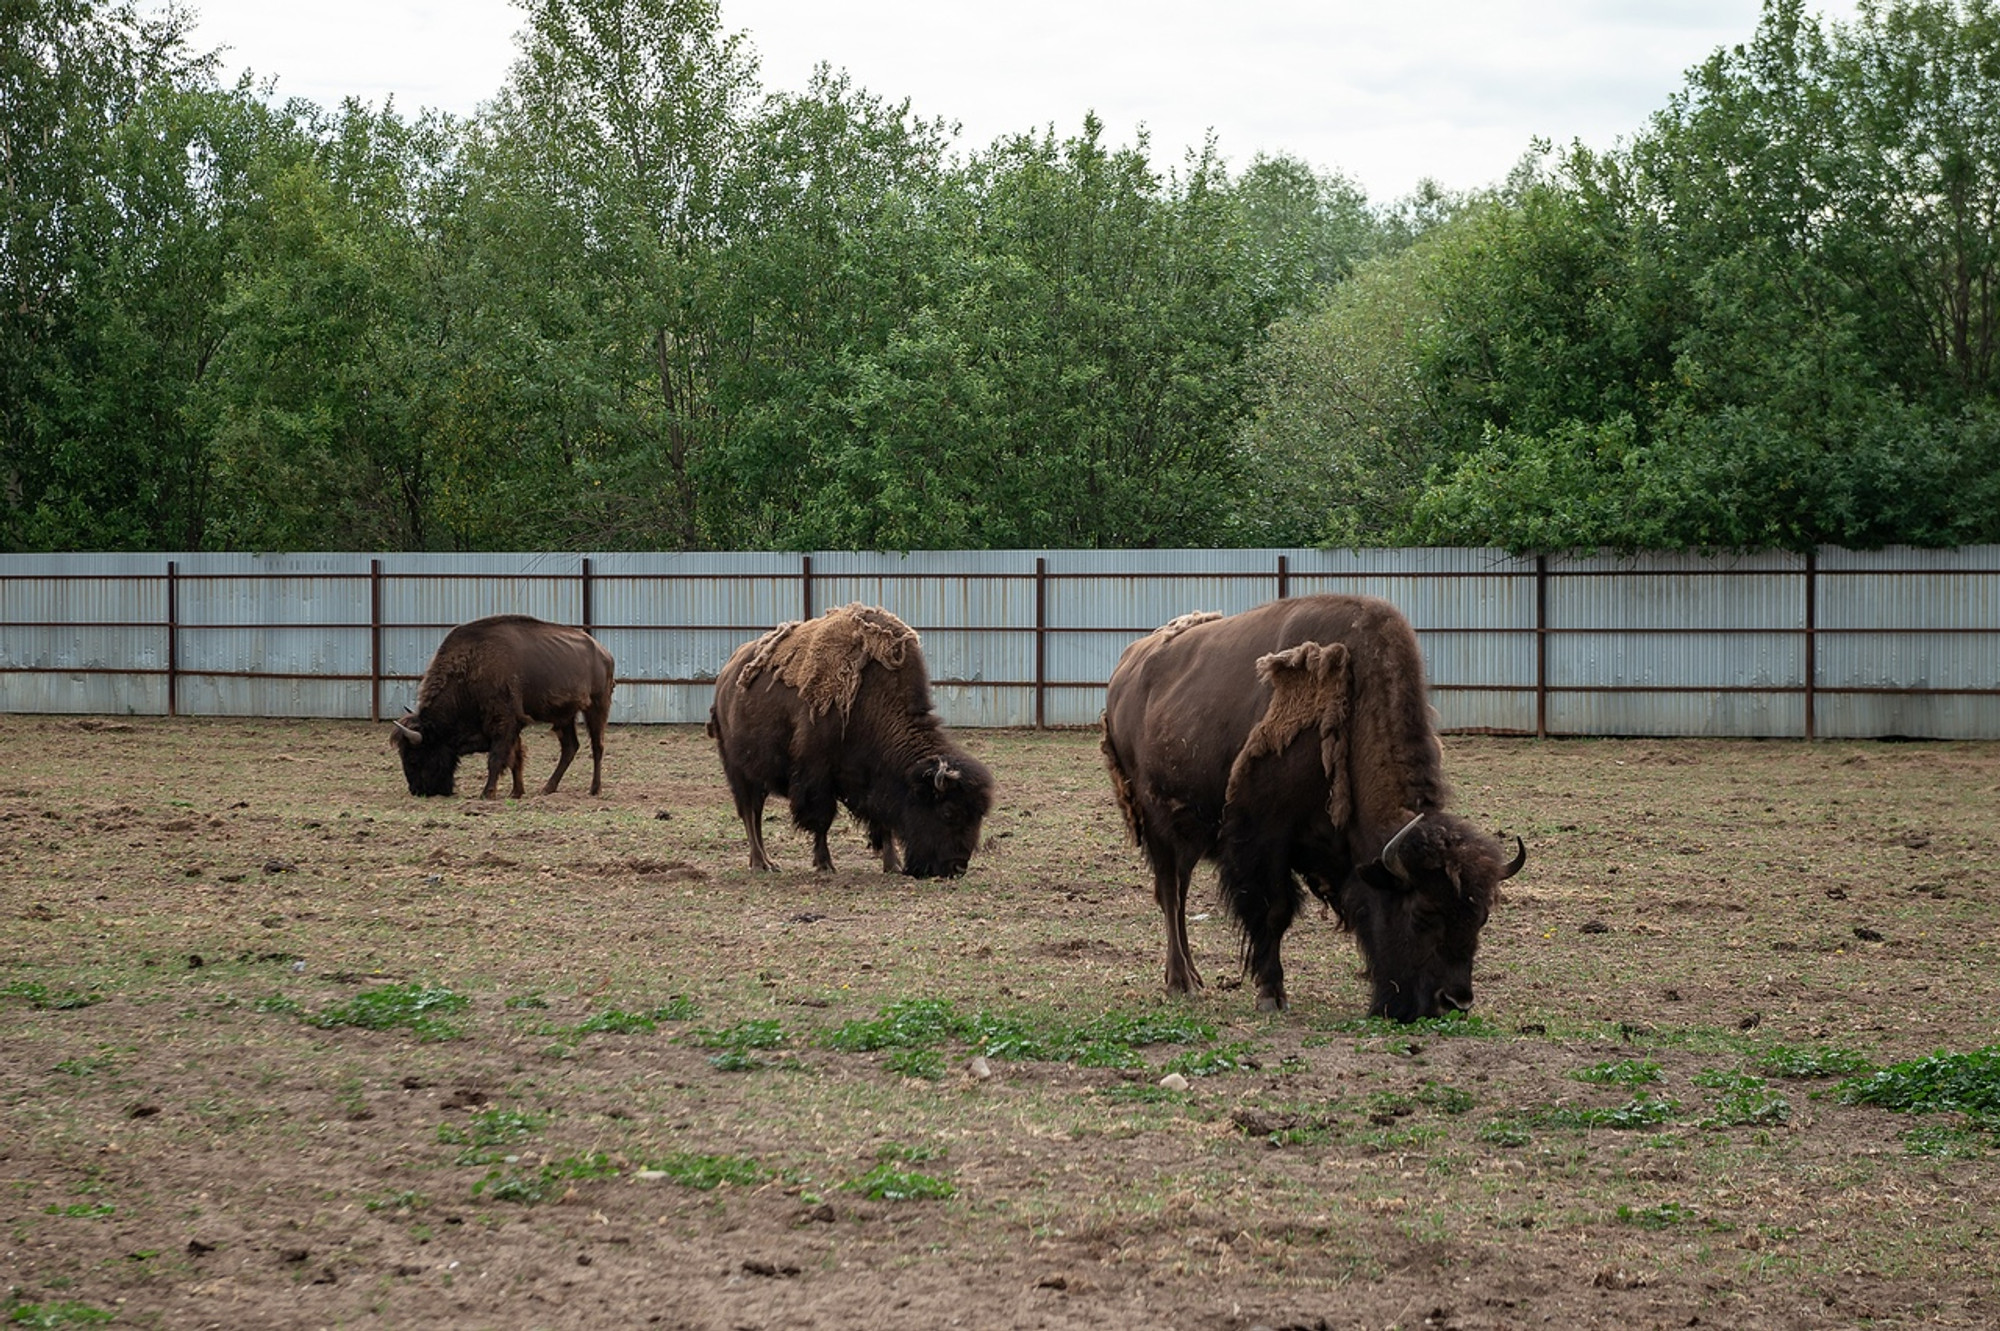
(1270, 1002)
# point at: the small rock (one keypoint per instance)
(979, 1067)
(1173, 1081)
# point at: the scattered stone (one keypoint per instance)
(1173, 1081)
(979, 1067)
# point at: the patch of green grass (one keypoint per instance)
(56, 1314)
(1444, 1099)
(82, 1210)
(923, 1064)
(278, 1003)
(1109, 1040)
(38, 997)
(487, 1131)
(1805, 1064)
(736, 1043)
(1235, 1057)
(709, 1172)
(1943, 1083)
(1664, 1216)
(888, 1182)
(1939, 1142)
(1501, 1132)
(552, 1179)
(1641, 1111)
(1622, 1072)
(1720, 1079)
(416, 1008)
(402, 1201)
(86, 1067)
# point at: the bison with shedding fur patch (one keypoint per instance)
(488, 679)
(1293, 745)
(836, 711)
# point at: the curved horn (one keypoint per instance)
(1392, 858)
(945, 774)
(1520, 858)
(415, 737)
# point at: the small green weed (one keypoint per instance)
(1664, 1216)
(1718, 1079)
(56, 1314)
(1234, 1057)
(1798, 1064)
(1642, 1111)
(1968, 1084)
(1750, 1106)
(1444, 1099)
(278, 1003)
(1106, 1041)
(487, 1131)
(82, 1210)
(923, 1064)
(1943, 1143)
(709, 1172)
(735, 1044)
(86, 1067)
(401, 1201)
(888, 1183)
(38, 997)
(1623, 1072)
(551, 1179)
(417, 1008)
(1501, 1132)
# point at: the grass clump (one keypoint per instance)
(736, 1043)
(38, 997)
(486, 1132)
(416, 1008)
(1235, 1057)
(1641, 1111)
(612, 1021)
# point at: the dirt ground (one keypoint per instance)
(282, 1046)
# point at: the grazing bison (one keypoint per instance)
(491, 677)
(837, 710)
(1293, 743)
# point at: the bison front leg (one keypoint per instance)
(507, 752)
(1257, 887)
(883, 843)
(565, 732)
(1170, 889)
(813, 808)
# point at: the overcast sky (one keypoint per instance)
(1386, 92)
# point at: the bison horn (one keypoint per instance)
(416, 737)
(945, 774)
(1520, 858)
(1392, 854)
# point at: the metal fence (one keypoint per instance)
(1836, 644)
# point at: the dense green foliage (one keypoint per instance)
(639, 302)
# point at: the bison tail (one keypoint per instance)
(1121, 787)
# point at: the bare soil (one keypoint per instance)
(643, 1115)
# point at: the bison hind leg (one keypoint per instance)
(565, 733)
(1172, 872)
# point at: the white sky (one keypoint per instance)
(1385, 92)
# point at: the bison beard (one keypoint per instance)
(837, 711)
(487, 679)
(1292, 744)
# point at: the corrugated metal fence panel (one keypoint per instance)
(1677, 645)
(1897, 624)
(97, 621)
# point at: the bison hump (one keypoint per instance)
(1309, 687)
(822, 659)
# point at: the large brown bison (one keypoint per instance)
(837, 711)
(490, 678)
(1293, 743)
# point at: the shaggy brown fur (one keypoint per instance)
(1309, 689)
(823, 658)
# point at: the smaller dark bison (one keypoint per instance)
(837, 711)
(488, 679)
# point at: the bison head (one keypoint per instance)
(1417, 912)
(948, 798)
(430, 768)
